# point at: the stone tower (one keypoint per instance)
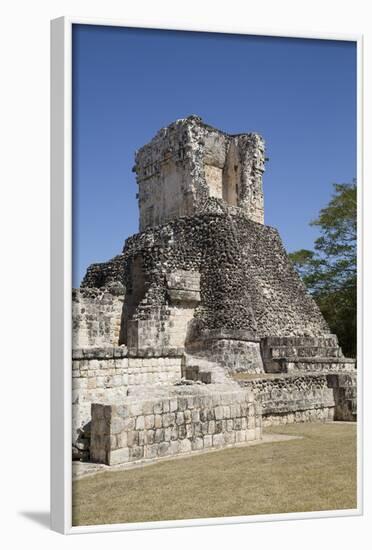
(190, 161)
(204, 293)
(204, 275)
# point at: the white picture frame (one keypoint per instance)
(61, 268)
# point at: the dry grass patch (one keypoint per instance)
(317, 472)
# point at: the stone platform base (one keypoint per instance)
(196, 418)
(290, 398)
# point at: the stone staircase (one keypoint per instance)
(304, 355)
(199, 369)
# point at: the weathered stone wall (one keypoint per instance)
(304, 355)
(96, 316)
(158, 327)
(345, 392)
(283, 399)
(136, 430)
(101, 375)
(246, 279)
(214, 271)
(287, 399)
(228, 350)
(105, 274)
(109, 367)
(189, 161)
(293, 399)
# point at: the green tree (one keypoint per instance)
(330, 271)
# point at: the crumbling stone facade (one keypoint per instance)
(189, 161)
(204, 292)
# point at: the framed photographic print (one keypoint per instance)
(206, 186)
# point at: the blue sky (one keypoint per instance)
(300, 95)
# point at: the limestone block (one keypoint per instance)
(142, 437)
(229, 425)
(218, 440)
(149, 421)
(189, 430)
(150, 437)
(135, 408)
(182, 403)
(122, 439)
(150, 451)
(173, 405)
(235, 411)
(158, 421)
(122, 410)
(220, 426)
(185, 446)
(187, 416)
(167, 434)
(132, 438)
(169, 419)
(211, 427)
(136, 453)
(118, 456)
(241, 436)
(180, 418)
(174, 447)
(148, 407)
(251, 423)
(158, 407)
(129, 424)
(204, 428)
(226, 412)
(195, 415)
(207, 441)
(79, 383)
(117, 425)
(197, 443)
(190, 402)
(229, 438)
(140, 423)
(159, 435)
(258, 432)
(182, 431)
(197, 429)
(164, 448)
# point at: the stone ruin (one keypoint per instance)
(200, 332)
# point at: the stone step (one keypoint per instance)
(311, 364)
(194, 373)
(200, 369)
(319, 359)
(292, 351)
(307, 341)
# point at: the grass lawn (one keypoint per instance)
(317, 472)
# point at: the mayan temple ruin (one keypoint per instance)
(200, 332)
